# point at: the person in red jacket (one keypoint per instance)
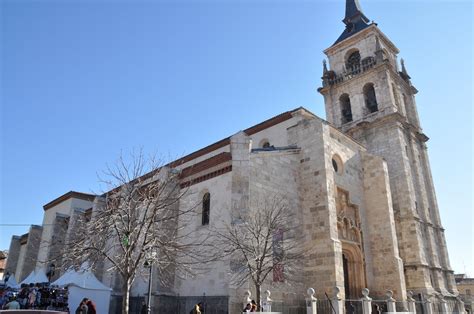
(91, 309)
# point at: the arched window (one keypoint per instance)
(370, 99)
(206, 208)
(264, 143)
(353, 63)
(346, 111)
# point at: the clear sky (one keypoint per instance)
(83, 80)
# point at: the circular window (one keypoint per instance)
(337, 164)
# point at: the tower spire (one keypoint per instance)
(353, 9)
(354, 19)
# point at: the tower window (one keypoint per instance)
(346, 111)
(353, 63)
(370, 99)
(206, 208)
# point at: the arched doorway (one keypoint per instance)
(354, 271)
(350, 235)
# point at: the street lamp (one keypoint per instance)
(149, 259)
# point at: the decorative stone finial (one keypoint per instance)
(268, 293)
(410, 295)
(247, 296)
(404, 70)
(365, 293)
(325, 68)
(311, 293)
(389, 294)
(336, 292)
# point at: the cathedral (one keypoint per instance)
(358, 181)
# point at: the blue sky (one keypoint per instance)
(83, 80)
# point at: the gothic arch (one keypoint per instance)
(352, 61)
(206, 207)
(370, 98)
(264, 143)
(346, 110)
(350, 235)
(354, 270)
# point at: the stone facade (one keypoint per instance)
(23, 253)
(359, 185)
(375, 105)
(465, 286)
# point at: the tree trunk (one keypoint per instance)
(126, 295)
(258, 289)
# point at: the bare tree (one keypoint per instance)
(263, 243)
(139, 219)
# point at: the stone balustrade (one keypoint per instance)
(335, 304)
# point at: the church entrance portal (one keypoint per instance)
(350, 235)
(354, 271)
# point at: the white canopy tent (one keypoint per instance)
(83, 284)
(12, 283)
(36, 276)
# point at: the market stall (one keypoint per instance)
(36, 276)
(83, 284)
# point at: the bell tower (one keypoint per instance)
(371, 98)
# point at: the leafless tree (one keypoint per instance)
(264, 242)
(138, 219)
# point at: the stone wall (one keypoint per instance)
(274, 175)
(31, 251)
(385, 264)
(13, 255)
(318, 207)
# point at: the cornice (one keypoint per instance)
(68, 195)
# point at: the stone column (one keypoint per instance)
(411, 302)
(267, 302)
(311, 302)
(337, 302)
(428, 307)
(366, 302)
(460, 306)
(444, 304)
(247, 298)
(390, 302)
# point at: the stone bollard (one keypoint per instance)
(247, 298)
(366, 302)
(390, 302)
(411, 302)
(311, 302)
(267, 302)
(337, 302)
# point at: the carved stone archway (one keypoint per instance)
(350, 235)
(354, 270)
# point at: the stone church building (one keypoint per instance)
(359, 182)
